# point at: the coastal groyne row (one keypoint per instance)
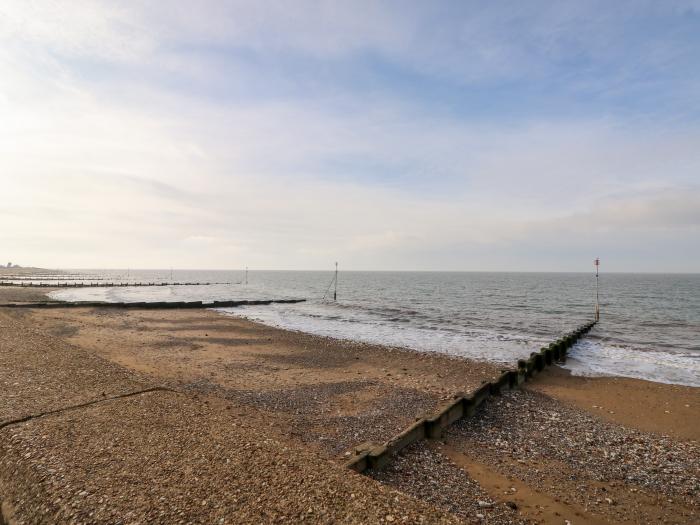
(37, 278)
(462, 405)
(150, 305)
(101, 285)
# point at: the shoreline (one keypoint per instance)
(589, 360)
(671, 405)
(605, 395)
(650, 406)
(593, 358)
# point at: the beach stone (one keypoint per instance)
(172, 448)
(39, 373)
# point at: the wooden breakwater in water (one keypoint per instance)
(462, 406)
(150, 305)
(101, 285)
(44, 278)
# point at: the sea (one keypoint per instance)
(649, 326)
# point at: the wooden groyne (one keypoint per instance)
(462, 406)
(100, 284)
(44, 278)
(150, 305)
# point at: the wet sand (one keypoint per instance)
(302, 404)
(28, 294)
(645, 405)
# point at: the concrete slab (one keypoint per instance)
(39, 373)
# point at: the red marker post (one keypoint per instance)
(597, 302)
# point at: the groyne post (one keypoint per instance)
(597, 288)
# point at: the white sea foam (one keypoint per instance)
(360, 326)
(587, 358)
(594, 358)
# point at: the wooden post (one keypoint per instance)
(335, 290)
(597, 297)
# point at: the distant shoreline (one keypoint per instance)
(350, 270)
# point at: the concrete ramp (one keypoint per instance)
(41, 374)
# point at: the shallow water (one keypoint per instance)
(649, 329)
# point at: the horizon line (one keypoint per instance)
(332, 269)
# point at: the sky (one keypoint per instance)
(504, 136)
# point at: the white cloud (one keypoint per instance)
(79, 28)
(94, 176)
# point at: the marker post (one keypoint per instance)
(597, 294)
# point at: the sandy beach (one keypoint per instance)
(191, 416)
(373, 263)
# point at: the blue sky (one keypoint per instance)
(386, 135)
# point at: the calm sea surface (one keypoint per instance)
(650, 323)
